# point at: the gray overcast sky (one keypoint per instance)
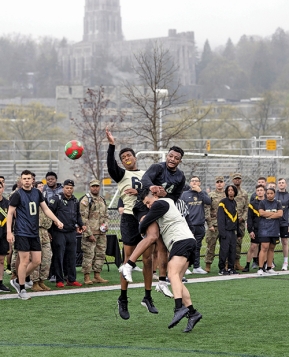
(216, 20)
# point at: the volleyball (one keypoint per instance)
(73, 149)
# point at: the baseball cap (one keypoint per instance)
(219, 178)
(237, 175)
(68, 182)
(94, 182)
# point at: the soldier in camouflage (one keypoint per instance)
(211, 219)
(93, 210)
(42, 271)
(242, 209)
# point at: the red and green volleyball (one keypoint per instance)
(73, 149)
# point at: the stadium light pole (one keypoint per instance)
(161, 96)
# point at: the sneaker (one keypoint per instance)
(232, 272)
(149, 304)
(15, 285)
(23, 295)
(60, 284)
(126, 271)
(122, 309)
(187, 272)
(74, 283)
(284, 266)
(271, 271)
(260, 272)
(52, 279)
(28, 284)
(179, 314)
(4, 289)
(162, 287)
(192, 321)
(136, 268)
(223, 272)
(199, 270)
(8, 272)
(155, 277)
(246, 270)
(184, 280)
(255, 265)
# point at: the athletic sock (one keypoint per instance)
(123, 295)
(255, 259)
(191, 310)
(132, 264)
(147, 294)
(286, 260)
(178, 303)
(27, 279)
(22, 287)
(162, 278)
(1, 282)
(248, 265)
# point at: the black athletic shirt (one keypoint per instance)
(27, 212)
(4, 204)
(159, 175)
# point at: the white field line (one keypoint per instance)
(5, 296)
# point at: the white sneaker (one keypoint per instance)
(28, 285)
(187, 272)
(126, 271)
(271, 271)
(199, 270)
(260, 272)
(52, 279)
(15, 285)
(23, 295)
(136, 268)
(285, 266)
(162, 287)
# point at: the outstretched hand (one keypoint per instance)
(109, 136)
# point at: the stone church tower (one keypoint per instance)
(102, 21)
(103, 53)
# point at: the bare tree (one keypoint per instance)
(94, 116)
(155, 96)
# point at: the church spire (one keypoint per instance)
(102, 21)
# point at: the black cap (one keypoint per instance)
(68, 182)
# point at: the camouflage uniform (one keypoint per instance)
(211, 219)
(242, 209)
(42, 271)
(93, 217)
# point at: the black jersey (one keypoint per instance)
(27, 204)
(4, 204)
(159, 175)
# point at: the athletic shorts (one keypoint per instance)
(284, 232)
(4, 245)
(129, 230)
(257, 239)
(27, 244)
(272, 240)
(184, 248)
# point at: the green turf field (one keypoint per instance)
(241, 317)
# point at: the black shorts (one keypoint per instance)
(184, 248)
(4, 245)
(27, 244)
(256, 240)
(129, 230)
(140, 210)
(272, 240)
(284, 232)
